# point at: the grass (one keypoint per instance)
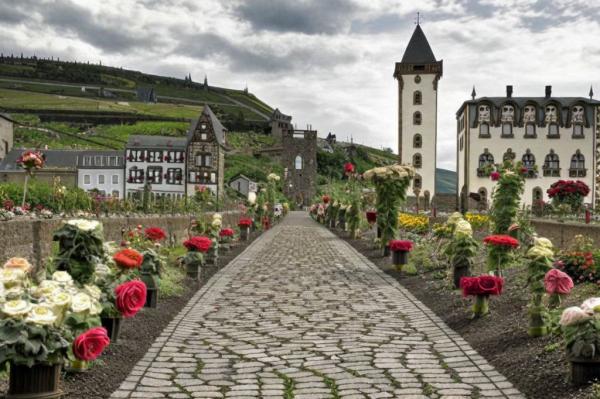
(255, 167)
(254, 141)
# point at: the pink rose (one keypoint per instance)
(557, 282)
(575, 315)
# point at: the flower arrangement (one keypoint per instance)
(540, 257)
(326, 198)
(90, 345)
(244, 223)
(348, 168)
(128, 258)
(198, 244)
(568, 192)
(579, 261)
(581, 328)
(481, 287)
(197, 248)
(557, 285)
(401, 245)
(30, 160)
(499, 250)
(461, 249)
(130, 297)
(227, 232)
(506, 197)
(155, 234)
(414, 223)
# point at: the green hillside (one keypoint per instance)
(445, 182)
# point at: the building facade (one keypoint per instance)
(554, 138)
(157, 164)
(418, 74)
(280, 123)
(102, 171)
(299, 159)
(243, 185)
(205, 147)
(6, 135)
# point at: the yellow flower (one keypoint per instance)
(41, 315)
(60, 299)
(414, 223)
(81, 302)
(11, 277)
(478, 221)
(463, 228)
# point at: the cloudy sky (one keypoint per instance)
(326, 62)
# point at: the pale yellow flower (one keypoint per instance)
(62, 277)
(11, 277)
(81, 302)
(463, 228)
(41, 315)
(16, 308)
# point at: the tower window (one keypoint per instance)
(417, 118)
(417, 160)
(417, 98)
(417, 141)
(417, 182)
(298, 163)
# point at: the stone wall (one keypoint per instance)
(562, 234)
(32, 239)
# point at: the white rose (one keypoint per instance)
(84, 225)
(14, 292)
(217, 216)
(251, 197)
(10, 277)
(41, 315)
(463, 228)
(102, 270)
(95, 308)
(590, 304)
(60, 299)
(92, 291)
(16, 308)
(81, 302)
(46, 288)
(62, 278)
(543, 242)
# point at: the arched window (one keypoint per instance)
(486, 161)
(537, 194)
(417, 160)
(528, 160)
(551, 165)
(417, 182)
(417, 141)
(577, 165)
(484, 130)
(417, 98)
(298, 162)
(417, 118)
(509, 155)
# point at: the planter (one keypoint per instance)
(78, 366)
(212, 257)
(399, 258)
(193, 270)
(584, 371)
(386, 251)
(460, 272)
(151, 282)
(37, 382)
(481, 306)
(113, 327)
(244, 233)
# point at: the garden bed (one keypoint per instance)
(536, 366)
(137, 335)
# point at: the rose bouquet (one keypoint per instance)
(244, 224)
(540, 257)
(568, 192)
(197, 248)
(391, 183)
(481, 287)
(400, 250)
(226, 237)
(155, 234)
(30, 161)
(499, 248)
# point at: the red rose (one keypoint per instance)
(89, 345)
(326, 199)
(371, 216)
(469, 286)
(130, 297)
(400, 245)
(155, 234)
(226, 232)
(128, 258)
(348, 168)
(501, 240)
(495, 176)
(245, 222)
(198, 244)
(490, 285)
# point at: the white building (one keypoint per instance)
(243, 184)
(554, 138)
(158, 161)
(102, 171)
(6, 135)
(418, 74)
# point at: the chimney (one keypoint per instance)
(509, 91)
(548, 91)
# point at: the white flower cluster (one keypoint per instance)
(217, 221)
(84, 224)
(463, 228)
(391, 172)
(542, 248)
(6, 215)
(47, 303)
(273, 177)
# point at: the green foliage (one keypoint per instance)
(582, 340)
(536, 270)
(461, 250)
(171, 282)
(506, 198)
(78, 251)
(28, 344)
(420, 257)
(40, 193)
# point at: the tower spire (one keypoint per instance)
(473, 93)
(591, 94)
(418, 18)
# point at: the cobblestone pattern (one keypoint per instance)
(301, 314)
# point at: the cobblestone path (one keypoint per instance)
(301, 314)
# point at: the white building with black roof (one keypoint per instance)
(101, 171)
(553, 137)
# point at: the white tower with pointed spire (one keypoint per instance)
(418, 74)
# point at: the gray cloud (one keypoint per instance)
(300, 16)
(244, 57)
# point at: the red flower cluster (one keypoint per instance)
(8, 204)
(326, 199)
(155, 234)
(89, 345)
(501, 240)
(128, 258)
(495, 176)
(401, 245)
(348, 168)
(245, 222)
(565, 188)
(130, 297)
(31, 160)
(482, 285)
(227, 232)
(198, 244)
(371, 216)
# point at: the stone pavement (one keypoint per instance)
(301, 314)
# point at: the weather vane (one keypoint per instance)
(418, 20)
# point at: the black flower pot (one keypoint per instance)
(399, 258)
(244, 233)
(113, 327)
(37, 382)
(193, 270)
(151, 290)
(584, 371)
(460, 272)
(386, 251)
